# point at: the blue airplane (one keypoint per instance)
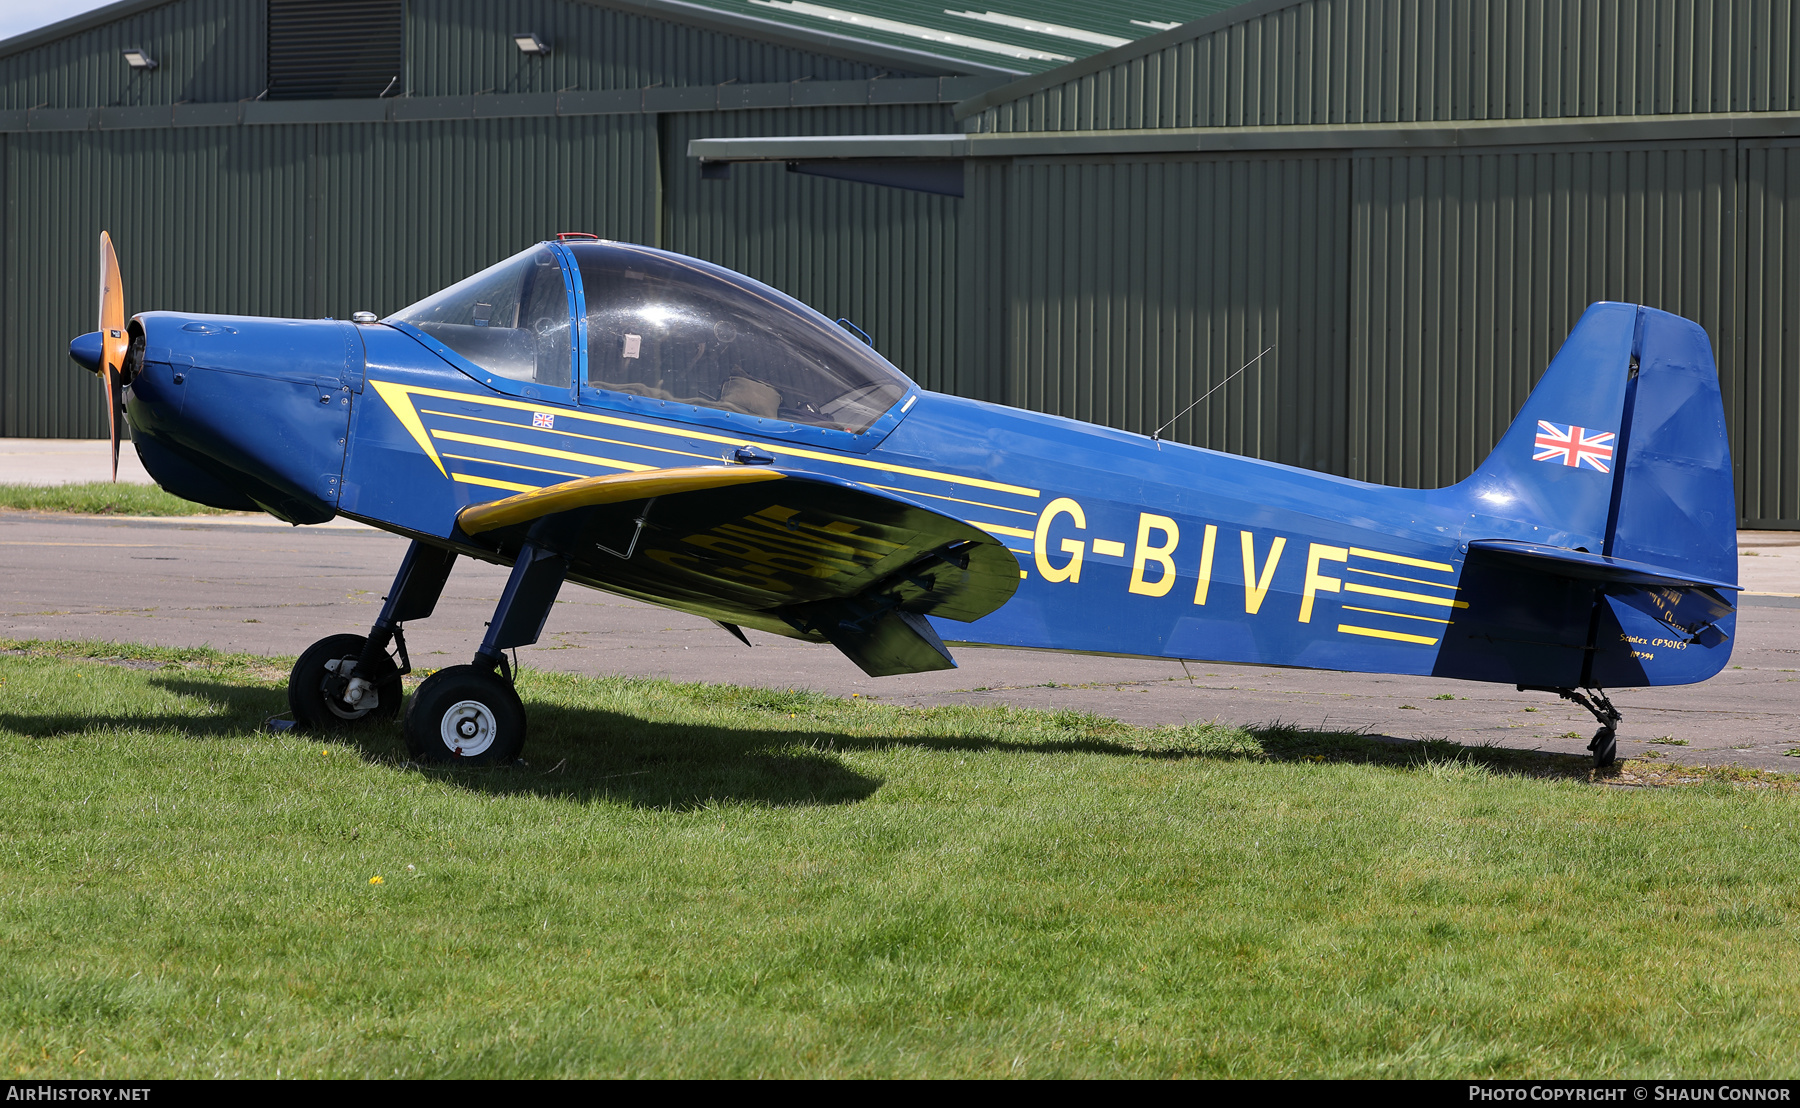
(659, 427)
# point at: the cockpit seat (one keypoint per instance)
(742, 395)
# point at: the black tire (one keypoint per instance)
(315, 691)
(466, 715)
(1605, 747)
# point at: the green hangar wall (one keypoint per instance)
(259, 168)
(1412, 201)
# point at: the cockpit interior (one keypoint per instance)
(613, 319)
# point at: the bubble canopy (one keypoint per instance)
(660, 327)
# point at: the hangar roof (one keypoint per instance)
(1012, 34)
(1312, 63)
(1024, 39)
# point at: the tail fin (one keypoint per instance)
(1621, 449)
(1609, 552)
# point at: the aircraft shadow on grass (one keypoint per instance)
(586, 754)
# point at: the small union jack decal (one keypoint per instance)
(1573, 446)
(543, 419)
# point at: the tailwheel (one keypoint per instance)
(325, 695)
(1605, 747)
(465, 714)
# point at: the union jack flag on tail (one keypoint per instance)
(1573, 446)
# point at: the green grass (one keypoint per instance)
(100, 498)
(708, 880)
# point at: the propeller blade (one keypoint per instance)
(109, 380)
(113, 342)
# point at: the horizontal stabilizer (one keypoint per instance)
(1688, 606)
(1583, 566)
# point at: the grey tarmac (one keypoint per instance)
(247, 583)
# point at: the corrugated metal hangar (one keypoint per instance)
(1103, 215)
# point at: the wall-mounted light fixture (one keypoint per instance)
(529, 43)
(138, 58)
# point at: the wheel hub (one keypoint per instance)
(337, 677)
(469, 728)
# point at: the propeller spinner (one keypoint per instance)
(113, 342)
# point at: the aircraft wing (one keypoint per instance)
(796, 553)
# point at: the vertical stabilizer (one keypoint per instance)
(1556, 464)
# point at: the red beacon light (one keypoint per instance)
(565, 236)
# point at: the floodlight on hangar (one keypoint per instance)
(530, 43)
(138, 58)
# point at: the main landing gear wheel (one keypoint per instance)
(319, 692)
(465, 714)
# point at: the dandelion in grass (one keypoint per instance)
(375, 880)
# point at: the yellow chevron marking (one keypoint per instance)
(1421, 598)
(567, 434)
(996, 529)
(1371, 590)
(489, 482)
(1400, 560)
(703, 436)
(941, 496)
(1377, 633)
(1397, 577)
(540, 451)
(1398, 615)
(402, 406)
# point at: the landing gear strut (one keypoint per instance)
(468, 714)
(346, 680)
(1605, 744)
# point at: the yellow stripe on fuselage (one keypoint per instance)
(996, 529)
(389, 390)
(489, 482)
(1377, 633)
(1400, 560)
(569, 434)
(1397, 577)
(540, 451)
(1418, 597)
(941, 496)
(514, 465)
(1396, 615)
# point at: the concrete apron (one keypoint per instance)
(67, 462)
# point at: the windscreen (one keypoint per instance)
(680, 330)
(511, 319)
